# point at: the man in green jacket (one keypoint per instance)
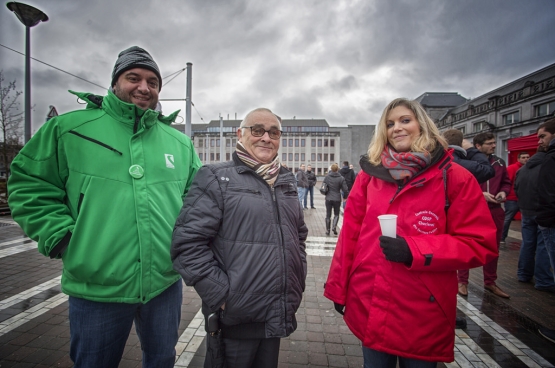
(101, 188)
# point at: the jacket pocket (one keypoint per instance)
(96, 142)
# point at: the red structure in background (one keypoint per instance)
(528, 143)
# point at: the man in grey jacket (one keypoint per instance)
(240, 241)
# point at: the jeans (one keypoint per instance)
(302, 193)
(309, 190)
(377, 359)
(533, 259)
(511, 208)
(490, 268)
(99, 330)
(549, 240)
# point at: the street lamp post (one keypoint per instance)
(30, 17)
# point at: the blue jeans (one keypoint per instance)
(301, 192)
(99, 330)
(309, 190)
(549, 240)
(511, 208)
(533, 259)
(377, 359)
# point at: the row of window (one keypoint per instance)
(215, 142)
(302, 142)
(284, 157)
(294, 129)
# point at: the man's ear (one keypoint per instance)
(239, 134)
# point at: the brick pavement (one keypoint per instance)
(322, 339)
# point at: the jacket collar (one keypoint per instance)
(124, 112)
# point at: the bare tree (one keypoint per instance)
(10, 129)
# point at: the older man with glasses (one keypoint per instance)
(240, 241)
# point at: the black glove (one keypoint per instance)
(339, 308)
(396, 250)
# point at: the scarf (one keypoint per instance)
(268, 172)
(404, 165)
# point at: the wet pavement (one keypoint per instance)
(34, 325)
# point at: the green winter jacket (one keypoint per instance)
(101, 188)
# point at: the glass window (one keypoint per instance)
(332, 142)
(296, 157)
(313, 144)
(284, 142)
(462, 129)
(325, 142)
(545, 109)
(479, 126)
(217, 143)
(217, 157)
(212, 156)
(290, 142)
(325, 156)
(228, 142)
(284, 157)
(290, 157)
(296, 143)
(303, 142)
(302, 156)
(319, 171)
(201, 142)
(228, 156)
(511, 118)
(212, 142)
(332, 157)
(319, 157)
(312, 157)
(319, 143)
(200, 156)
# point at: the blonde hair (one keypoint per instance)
(334, 167)
(426, 142)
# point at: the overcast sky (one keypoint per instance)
(342, 61)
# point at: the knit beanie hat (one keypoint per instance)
(135, 57)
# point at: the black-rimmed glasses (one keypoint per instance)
(258, 131)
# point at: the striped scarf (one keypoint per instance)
(404, 165)
(268, 172)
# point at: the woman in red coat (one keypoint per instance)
(399, 295)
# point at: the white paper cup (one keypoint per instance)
(388, 224)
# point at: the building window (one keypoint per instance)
(296, 157)
(325, 156)
(332, 142)
(303, 142)
(201, 142)
(303, 157)
(545, 109)
(319, 171)
(212, 142)
(511, 118)
(200, 156)
(332, 157)
(319, 143)
(296, 143)
(313, 143)
(325, 142)
(291, 143)
(479, 126)
(284, 157)
(217, 157)
(319, 157)
(212, 156)
(228, 142)
(462, 129)
(228, 156)
(312, 157)
(284, 142)
(290, 157)
(217, 142)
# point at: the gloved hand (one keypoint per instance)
(339, 308)
(396, 250)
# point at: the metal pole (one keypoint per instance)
(222, 159)
(188, 97)
(27, 84)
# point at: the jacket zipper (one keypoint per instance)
(284, 278)
(96, 141)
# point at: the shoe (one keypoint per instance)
(497, 291)
(312, 208)
(463, 289)
(547, 333)
(548, 289)
(306, 208)
(460, 322)
(524, 281)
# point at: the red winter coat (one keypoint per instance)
(400, 310)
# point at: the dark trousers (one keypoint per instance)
(336, 205)
(252, 353)
(309, 190)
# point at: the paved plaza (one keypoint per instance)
(34, 325)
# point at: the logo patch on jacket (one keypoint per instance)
(169, 161)
(426, 222)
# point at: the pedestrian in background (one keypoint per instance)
(398, 295)
(311, 176)
(336, 185)
(511, 204)
(240, 241)
(495, 192)
(349, 174)
(101, 188)
(302, 184)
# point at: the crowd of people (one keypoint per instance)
(122, 199)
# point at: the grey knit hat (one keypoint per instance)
(135, 57)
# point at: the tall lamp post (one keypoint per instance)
(30, 17)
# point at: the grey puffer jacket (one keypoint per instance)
(240, 242)
(336, 183)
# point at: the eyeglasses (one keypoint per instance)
(258, 131)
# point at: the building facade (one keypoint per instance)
(513, 110)
(309, 141)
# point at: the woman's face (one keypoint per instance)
(402, 128)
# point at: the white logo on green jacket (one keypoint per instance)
(169, 161)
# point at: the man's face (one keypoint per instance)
(544, 137)
(264, 149)
(309, 168)
(488, 147)
(139, 87)
(302, 167)
(523, 159)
